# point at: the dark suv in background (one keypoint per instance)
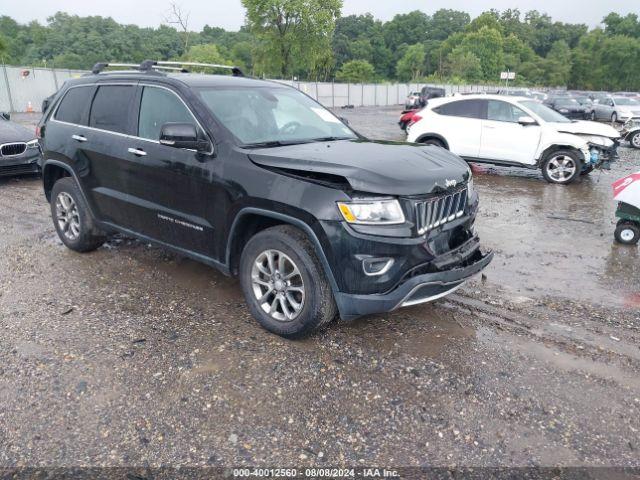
(260, 181)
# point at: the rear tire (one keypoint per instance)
(284, 283)
(434, 141)
(72, 218)
(561, 167)
(614, 117)
(627, 232)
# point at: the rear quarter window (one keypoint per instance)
(74, 105)
(111, 108)
(463, 108)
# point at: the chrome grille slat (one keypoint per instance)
(12, 149)
(433, 212)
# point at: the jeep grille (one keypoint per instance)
(434, 212)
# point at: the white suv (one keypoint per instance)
(515, 131)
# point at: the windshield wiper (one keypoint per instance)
(329, 139)
(274, 143)
(281, 143)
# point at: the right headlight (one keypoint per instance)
(372, 212)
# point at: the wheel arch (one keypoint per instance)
(437, 136)
(251, 220)
(556, 147)
(52, 171)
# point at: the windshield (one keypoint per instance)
(566, 101)
(544, 112)
(626, 101)
(279, 115)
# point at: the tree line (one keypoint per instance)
(309, 39)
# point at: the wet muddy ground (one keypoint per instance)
(132, 356)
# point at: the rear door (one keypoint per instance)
(460, 123)
(109, 171)
(504, 139)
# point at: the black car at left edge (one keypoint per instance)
(19, 149)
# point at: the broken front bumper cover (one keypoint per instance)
(418, 289)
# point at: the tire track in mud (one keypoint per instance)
(590, 348)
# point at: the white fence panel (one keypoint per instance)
(17, 91)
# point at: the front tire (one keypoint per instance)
(71, 217)
(561, 167)
(614, 117)
(634, 141)
(593, 116)
(627, 233)
(284, 283)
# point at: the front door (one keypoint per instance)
(171, 185)
(506, 140)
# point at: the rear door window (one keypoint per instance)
(157, 107)
(75, 105)
(111, 108)
(463, 108)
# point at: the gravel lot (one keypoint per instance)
(132, 356)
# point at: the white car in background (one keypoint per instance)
(515, 131)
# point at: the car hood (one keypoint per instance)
(13, 132)
(583, 127)
(387, 168)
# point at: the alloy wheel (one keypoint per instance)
(278, 285)
(635, 140)
(561, 168)
(67, 216)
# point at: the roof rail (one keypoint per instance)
(100, 66)
(152, 65)
(234, 70)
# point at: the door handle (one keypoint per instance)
(137, 152)
(79, 138)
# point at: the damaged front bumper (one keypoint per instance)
(602, 156)
(453, 269)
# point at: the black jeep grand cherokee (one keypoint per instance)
(260, 181)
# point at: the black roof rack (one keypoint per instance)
(155, 66)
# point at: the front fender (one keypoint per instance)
(549, 142)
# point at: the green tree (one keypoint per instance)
(356, 71)
(486, 44)
(205, 53)
(411, 66)
(446, 22)
(291, 34)
(408, 29)
(464, 65)
(616, 24)
(558, 64)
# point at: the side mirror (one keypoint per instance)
(6, 115)
(183, 135)
(525, 121)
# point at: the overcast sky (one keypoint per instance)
(229, 14)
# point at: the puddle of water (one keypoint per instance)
(422, 331)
